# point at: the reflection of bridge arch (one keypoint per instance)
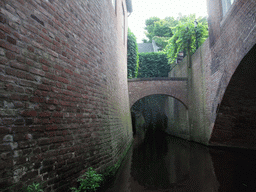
(174, 87)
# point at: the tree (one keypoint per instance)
(144, 40)
(161, 42)
(159, 30)
(162, 30)
(150, 28)
(132, 56)
(185, 35)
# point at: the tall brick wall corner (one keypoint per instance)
(63, 90)
(213, 65)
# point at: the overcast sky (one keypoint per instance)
(144, 9)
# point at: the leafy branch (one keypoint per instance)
(185, 35)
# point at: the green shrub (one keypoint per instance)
(153, 65)
(35, 187)
(110, 172)
(89, 182)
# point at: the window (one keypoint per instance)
(226, 4)
(123, 24)
(114, 4)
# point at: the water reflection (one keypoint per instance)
(235, 169)
(164, 163)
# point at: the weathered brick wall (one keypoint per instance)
(230, 38)
(180, 70)
(196, 74)
(177, 115)
(197, 77)
(235, 36)
(235, 122)
(64, 99)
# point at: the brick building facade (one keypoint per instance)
(63, 99)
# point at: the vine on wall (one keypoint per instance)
(132, 56)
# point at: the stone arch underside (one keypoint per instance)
(235, 123)
(141, 89)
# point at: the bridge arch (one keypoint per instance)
(173, 87)
(146, 95)
(235, 122)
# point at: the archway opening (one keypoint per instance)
(235, 123)
(160, 113)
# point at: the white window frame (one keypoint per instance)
(114, 4)
(123, 23)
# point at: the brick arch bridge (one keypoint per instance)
(174, 87)
(235, 122)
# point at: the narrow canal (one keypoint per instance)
(163, 163)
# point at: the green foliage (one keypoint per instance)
(132, 56)
(150, 27)
(159, 28)
(153, 65)
(89, 182)
(111, 171)
(184, 36)
(162, 29)
(161, 41)
(35, 187)
(144, 40)
(175, 35)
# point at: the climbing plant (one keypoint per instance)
(132, 56)
(185, 35)
(153, 65)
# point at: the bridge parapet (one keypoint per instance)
(159, 79)
(172, 86)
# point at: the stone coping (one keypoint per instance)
(159, 79)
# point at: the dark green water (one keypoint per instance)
(164, 163)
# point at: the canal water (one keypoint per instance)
(160, 162)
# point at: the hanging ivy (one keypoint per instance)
(185, 35)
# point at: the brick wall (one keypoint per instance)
(180, 70)
(235, 123)
(64, 99)
(236, 34)
(177, 115)
(231, 37)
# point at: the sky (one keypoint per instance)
(144, 9)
